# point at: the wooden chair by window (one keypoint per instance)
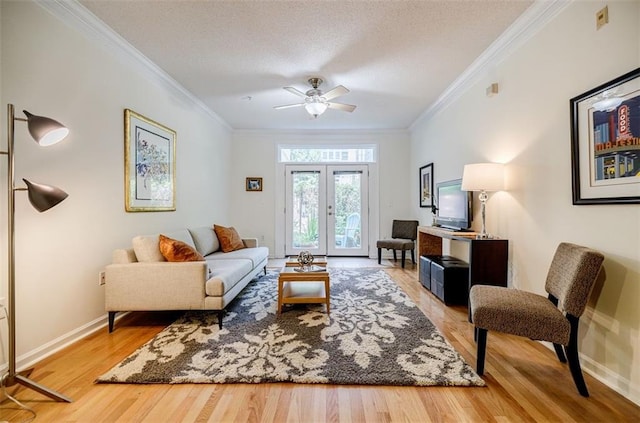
(572, 274)
(403, 237)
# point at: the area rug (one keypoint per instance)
(375, 335)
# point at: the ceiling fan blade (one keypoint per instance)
(287, 106)
(295, 91)
(343, 107)
(336, 92)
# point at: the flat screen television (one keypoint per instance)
(454, 206)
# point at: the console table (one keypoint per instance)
(487, 257)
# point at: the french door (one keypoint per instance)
(327, 210)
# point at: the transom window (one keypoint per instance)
(329, 153)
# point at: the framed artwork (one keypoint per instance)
(149, 163)
(254, 184)
(605, 142)
(426, 185)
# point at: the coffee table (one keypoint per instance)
(292, 261)
(296, 287)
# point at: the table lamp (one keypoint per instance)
(483, 177)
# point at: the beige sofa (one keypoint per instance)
(139, 279)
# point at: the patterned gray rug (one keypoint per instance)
(375, 336)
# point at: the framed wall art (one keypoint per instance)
(254, 184)
(605, 142)
(426, 186)
(150, 164)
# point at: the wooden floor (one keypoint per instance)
(525, 382)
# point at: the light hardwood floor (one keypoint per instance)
(525, 382)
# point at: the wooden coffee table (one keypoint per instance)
(317, 261)
(303, 287)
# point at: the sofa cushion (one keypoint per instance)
(229, 238)
(225, 274)
(182, 235)
(256, 255)
(205, 239)
(147, 247)
(174, 250)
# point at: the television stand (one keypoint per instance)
(488, 258)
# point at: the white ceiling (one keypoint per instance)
(396, 57)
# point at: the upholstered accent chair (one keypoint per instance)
(403, 238)
(570, 279)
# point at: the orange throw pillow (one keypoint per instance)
(229, 238)
(174, 250)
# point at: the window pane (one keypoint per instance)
(347, 211)
(306, 191)
(363, 154)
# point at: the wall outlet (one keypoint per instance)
(101, 278)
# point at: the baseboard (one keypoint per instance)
(618, 383)
(612, 380)
(32, 357)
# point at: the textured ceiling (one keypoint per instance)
(396, 57)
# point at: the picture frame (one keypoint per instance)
(605, 142)
(253, 183)
(426, 186)
(150, 164)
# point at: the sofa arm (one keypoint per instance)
(155, 286)
(250, 242)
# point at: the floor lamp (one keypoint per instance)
(45, 132)
(483, 177)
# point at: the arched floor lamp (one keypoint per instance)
(45, 132)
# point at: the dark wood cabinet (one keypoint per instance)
(488, 258)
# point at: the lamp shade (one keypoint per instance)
(44, 130)
(316, 108)
(43, 197)
(483, 177)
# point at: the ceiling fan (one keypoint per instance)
(316, 102)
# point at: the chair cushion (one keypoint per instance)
(396, 244)
(518, 313)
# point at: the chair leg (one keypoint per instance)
(395, 258)
(413, 257)
(379, 255)
(574, 360)
(482, 350)
(403, 255)
(560, 353)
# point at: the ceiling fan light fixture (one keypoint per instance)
(316, 108)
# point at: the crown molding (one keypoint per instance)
(536, 17)
(76, 16)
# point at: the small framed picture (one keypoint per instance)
(254, 184)
(426, 185)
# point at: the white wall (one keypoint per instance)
(255, 154)
(527, 126)
(51, 69)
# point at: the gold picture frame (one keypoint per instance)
(149, 163)
(253, 184)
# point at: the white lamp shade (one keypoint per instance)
(316, 109)
(483, 177)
